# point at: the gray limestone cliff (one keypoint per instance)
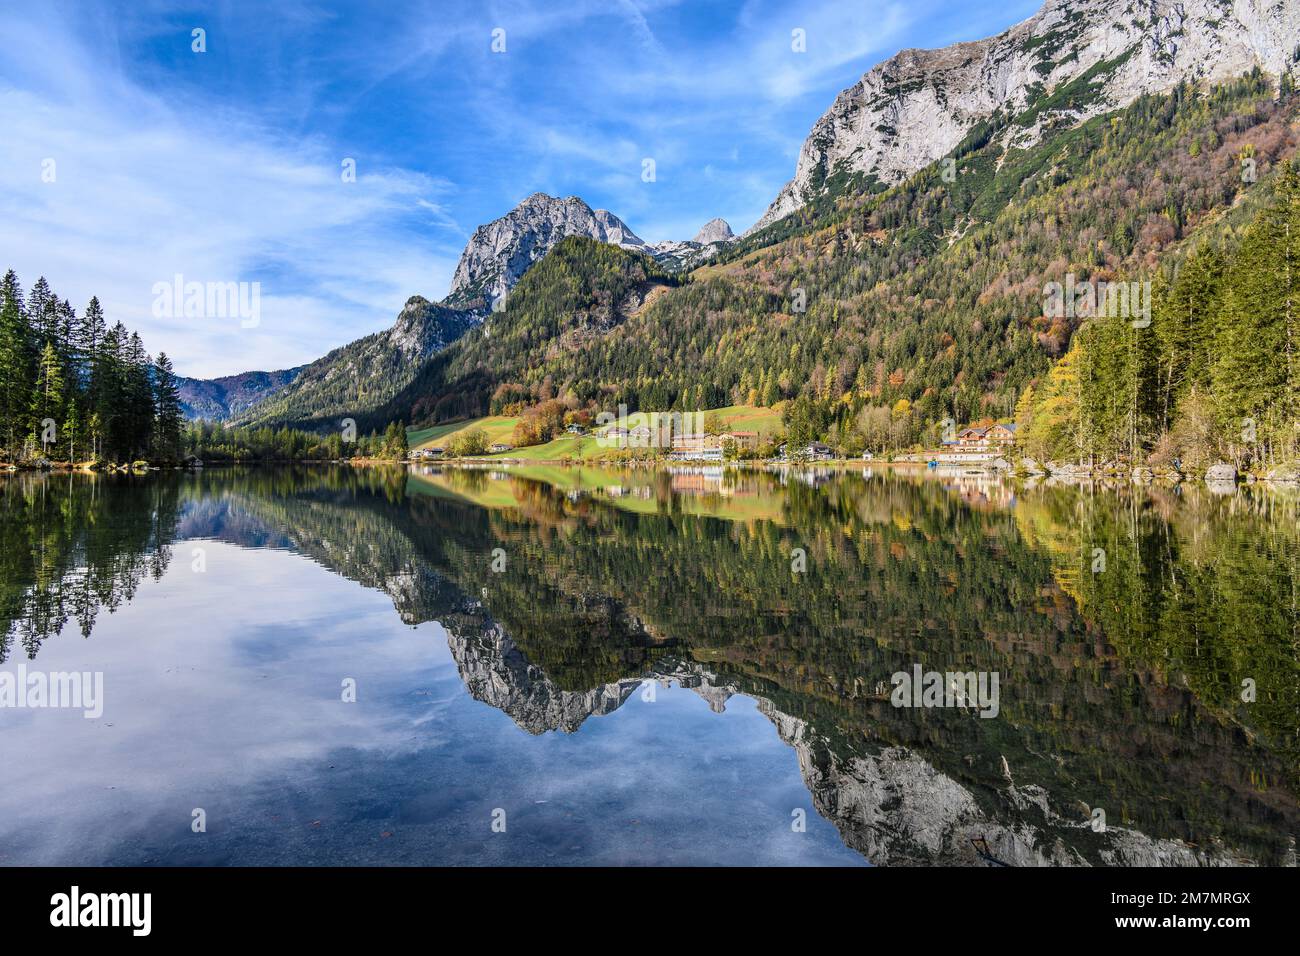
(917, 106)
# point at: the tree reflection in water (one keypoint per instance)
(1121, 679)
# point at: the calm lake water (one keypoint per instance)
(586, 666)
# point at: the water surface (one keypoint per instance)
(591, 666)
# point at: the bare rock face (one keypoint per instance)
(917, 106)
(895, 808)
(501, 251)
(1222, 473)
(422, 328)
(497, 673)
(715, 230)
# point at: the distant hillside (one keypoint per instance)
(357, 377)
(217, 399)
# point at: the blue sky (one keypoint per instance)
(225, 165)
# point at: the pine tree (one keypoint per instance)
(16, 365)
(1186, 324)
(1107, 378)
(109, 392)
(47, 395)
(167, 410)
(67, 328)
(43, 313)
(139, 398)
(88, 335)
(1254, 375)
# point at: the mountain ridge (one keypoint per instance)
(363, 373)
(1070, 62)
(922, 302)
(501, 251)
(217, 399)
(494, 260)
(918, 105)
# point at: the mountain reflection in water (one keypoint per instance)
(1121, 688)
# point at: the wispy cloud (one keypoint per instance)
(142, 191)
(735, 98)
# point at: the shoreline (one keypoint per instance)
(1073, 475)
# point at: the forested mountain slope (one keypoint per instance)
(925, 301)
(563, 307)
(363, 374)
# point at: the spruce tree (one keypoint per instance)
(16, 366)
(110, 392)
(1254, 373)
(47, 394)
(167, 409)
(1107, 378)
(139, 397)
(43, 312)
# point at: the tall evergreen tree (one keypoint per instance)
(1187, 315)
(167, 409)
(1254, 374)
(88, 335)
(47, 395)
(1107, 387)
(16, 365)
(108, 375)
(139, 398)
(43, 314)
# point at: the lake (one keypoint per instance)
(548, 665)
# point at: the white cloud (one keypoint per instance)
(144, 190)
(685, 99)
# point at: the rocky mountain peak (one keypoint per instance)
(715, 230)
(502, 250)
(917, 106)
